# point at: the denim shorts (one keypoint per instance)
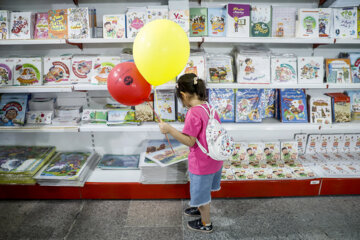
(201, 187)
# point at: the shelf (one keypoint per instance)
(99, 175)
(268, 40)
(90, 87)
(125, 40)
(32, 41)
(347, 41)
(242, 86)
(144, 127)
(338, 85)
(34, 89)
(37, 128)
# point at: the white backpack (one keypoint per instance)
(220, 144)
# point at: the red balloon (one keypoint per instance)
(127, 86)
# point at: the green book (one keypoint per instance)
(198, 22)
(260, 21)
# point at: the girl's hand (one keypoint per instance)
(164, 127)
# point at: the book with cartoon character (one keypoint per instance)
(338, 70)
(12, 109)
(157, 12)
(180, 16)
(260, 21)
(165, 105)
(284, 69)
(341, 107)
(238, 159)
(4, 24)
(21, 25)
(118, 162)
(217, 22)
(166, 157)
(57, 70)
(196, 65)
(272, 153)
(102, 66)
(283, 21)
(198, 22)
(289, 152)
(219, 69)
(248, 105)
(227, 175)
(135, 20)
(58, 23)
(253, 67)
(6, 71)
(345, 22)
(354, 96)
(81, 69)
(238, 20)
(310, 69)
(320, 109)
(355, 66)
(114, 26)
(301, 139)
(325, 22)
(269, 104)
(28, 72)
(313, 143)
(223, 101)
(41, 30)
(254, 154)
(293, 106)
(78, 23)
(308, 25)
(336, 143)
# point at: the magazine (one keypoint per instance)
(167, 157)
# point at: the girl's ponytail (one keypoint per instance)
(201, 89)
(190, 83)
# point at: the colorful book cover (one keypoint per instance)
(111, 161)
(135, 20)
(102, 66)
(143, 112)
(227, 175)
(81, 69)
(336, 143)
(217, 22)
(157, 12)
(313, 143)
(238, 158)
(238, 19)
(269, 107)
(260, 21)
(196, 65)
(57, 70)
(253, 68)
(21, 24)
(310, 69)
(320, 109)
(347, 143)
(78, 21)
(283, 69)
(345, 22)
(167, 157)
(41, 30)
(355, 66)
(58, 23)
(12, 109)
(114, 26)
(254, 154)
(358, 22)
(4, 24)
(248, 105)
(283, 21)
(325, 22)
(338, 70)
(355, 143)
(272, 153)
(181, 17)
(223, 101)
(120, 116)
(6, 71)
(28, 72)
(181, 111)
(301, 139)
(322, 147)
(341, 107)
(289, 152)
(198, 22)
(308, 23)
(293, 106)
(354, 104)
(165, 105)
(303, 172)
(219, 69)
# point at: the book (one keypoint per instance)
(165, 105)
(119, 162)
(336, 143)
(301, 139)
(338, 70)
(283, 69)
(313, 143)
(198, 22)
(196, 65)
(78, 23)
(181, 111)
(157, 12)
(6, 71)
(320, 109)
(227, 175)
(81, 69)
(238, 19)
(260, 21)
(354, 96)
(166, 157)
(143, 112)
(325, 22)
(283, 21)
(238, 157)
(308, 23)
(57, 70)
(341, 107)
(102, 66)
(219, 69)
(223, 100)
(4, 24)
(310, 69)
(28, 72)
(322, 147)
(41, 30)
(217, 22)
(289, 152)
(58, 23)
(114, 26)
(248, 105)
(21, 25)
(135, 20)
(345, 22)
(253, 67)
(272, 153)
(254, 154)
(181, 17)
(358, 22)
(355, 66)
(293, 105)
(269, 103)
(120, 117)
(12, 109)
(39, 117)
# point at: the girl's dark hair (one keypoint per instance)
(189, 83)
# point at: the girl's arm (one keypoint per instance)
(184, 139)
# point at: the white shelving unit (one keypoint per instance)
(36, 89)
(33, 42)
(37, 128)
(272, 40)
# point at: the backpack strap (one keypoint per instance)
(210, 114)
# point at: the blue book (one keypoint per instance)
(293, 106)
(12, 109)
(223, 100)
(269, 103)
(249, 105)
(216, 22)
(110, 161)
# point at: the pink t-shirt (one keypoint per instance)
(195, 125)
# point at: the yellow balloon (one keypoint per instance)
(161, 50)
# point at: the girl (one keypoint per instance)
(205, 172)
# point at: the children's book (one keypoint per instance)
(102, 66)
(198, 22)
(260, 21)
(355, 103)
(355, 66)
(219, 69)
(165, 105)
(347, 143)
(336, 142)
(269, 106)
(81, 69)
(22, 25)
(301, 139)
(293, 105)
(28, 71)
(58, 23)
(227, 175)
(119, 162)
(39, 117)
(181, 17)
(114, 26)
(355, 143)
(283, 21)
(341, 107)
(303, 172)
(325, 22)
(196, 65)
(283, 69)
(4, 24)
(272, 153)
(41, 30)
(248, 103)
(338, 70)
(157, 12)
(308, 23)
(322, 147)
(239, 154)
(181, 111)
(320, 109)
(143, 112)
(120, 117)
(289, 152)
(345, 22)
(313, 143)
(78, 23)
(135, 20)
(254, 154)
(167, 157)
(358, 22)
(238, 20)
(223, 101)
(57, 70)
(253, 68)
(216, 22)
(12, 109)
(310, 69)
(6, 71)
